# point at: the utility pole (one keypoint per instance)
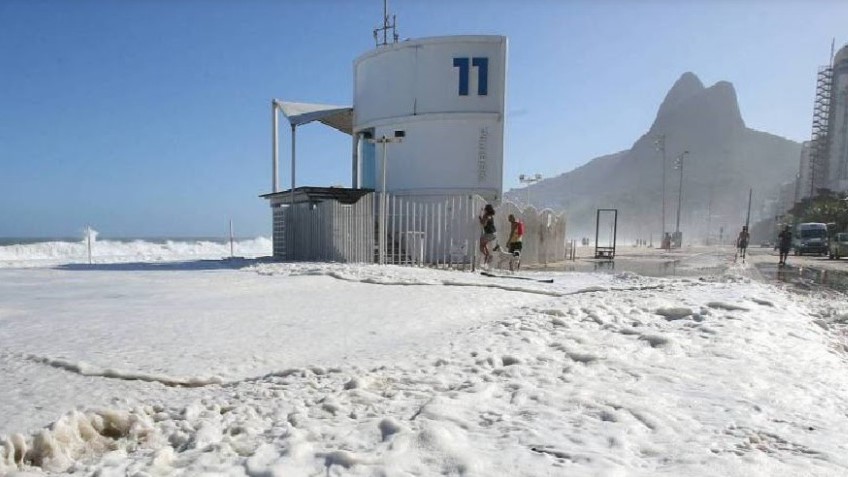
(709, 215)
(680, 193)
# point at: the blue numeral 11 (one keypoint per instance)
(482, 65)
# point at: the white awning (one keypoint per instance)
(337, 117)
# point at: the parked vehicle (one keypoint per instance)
(810, 238)
(839, 246)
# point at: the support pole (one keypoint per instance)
(383, 206)
(275, 150)
(354, 181)
(293, 157)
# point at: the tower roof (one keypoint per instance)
(841, 55)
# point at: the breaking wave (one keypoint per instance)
(120, 251)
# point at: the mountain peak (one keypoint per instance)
(688, 100)
(687, 86)
(726, 158)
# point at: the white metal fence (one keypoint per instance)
(327, 231)
(419, 230)
(432, 230)
(544, 233)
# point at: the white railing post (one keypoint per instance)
(88, 238)
(232, 254)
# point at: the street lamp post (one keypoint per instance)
(660, 145)
(398, 137)
(528, 179)
(679, 165)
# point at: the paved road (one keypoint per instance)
(688, 261)
(803, 272)
(760, 255)
(806, 272)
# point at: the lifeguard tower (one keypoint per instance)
(427, 143)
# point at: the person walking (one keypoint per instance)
(515, 242)
(488, 233)
(784, 242)
(742, 243)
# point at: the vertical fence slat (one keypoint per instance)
(425, 217)
(456, 241)
(407, 232)
(393, 228)
(440, 257)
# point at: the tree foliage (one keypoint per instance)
(827, 207)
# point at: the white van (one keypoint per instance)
(839, 246)
(810, 237)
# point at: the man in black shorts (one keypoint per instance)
(742, 242)
(516, 236)
(784, 241)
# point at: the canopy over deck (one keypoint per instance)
(310, 194)
(337, 117)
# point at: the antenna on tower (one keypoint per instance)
(386, 27)
(832, 46)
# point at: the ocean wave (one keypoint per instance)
(114, 251)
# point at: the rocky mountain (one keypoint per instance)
(725, 159)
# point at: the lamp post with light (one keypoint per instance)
(385, 140)
(659, 143)
(529, 179)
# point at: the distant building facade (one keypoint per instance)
(828, 152)
(802, 180)
(838, 124)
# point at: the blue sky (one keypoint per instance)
(152, 118)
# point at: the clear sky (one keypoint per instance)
(152, 118)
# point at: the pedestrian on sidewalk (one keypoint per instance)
(784, 242)
(742, 242)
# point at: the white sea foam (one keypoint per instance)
(339, 370)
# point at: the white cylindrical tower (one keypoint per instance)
(446, 95)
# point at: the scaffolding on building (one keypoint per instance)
(820, 140)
